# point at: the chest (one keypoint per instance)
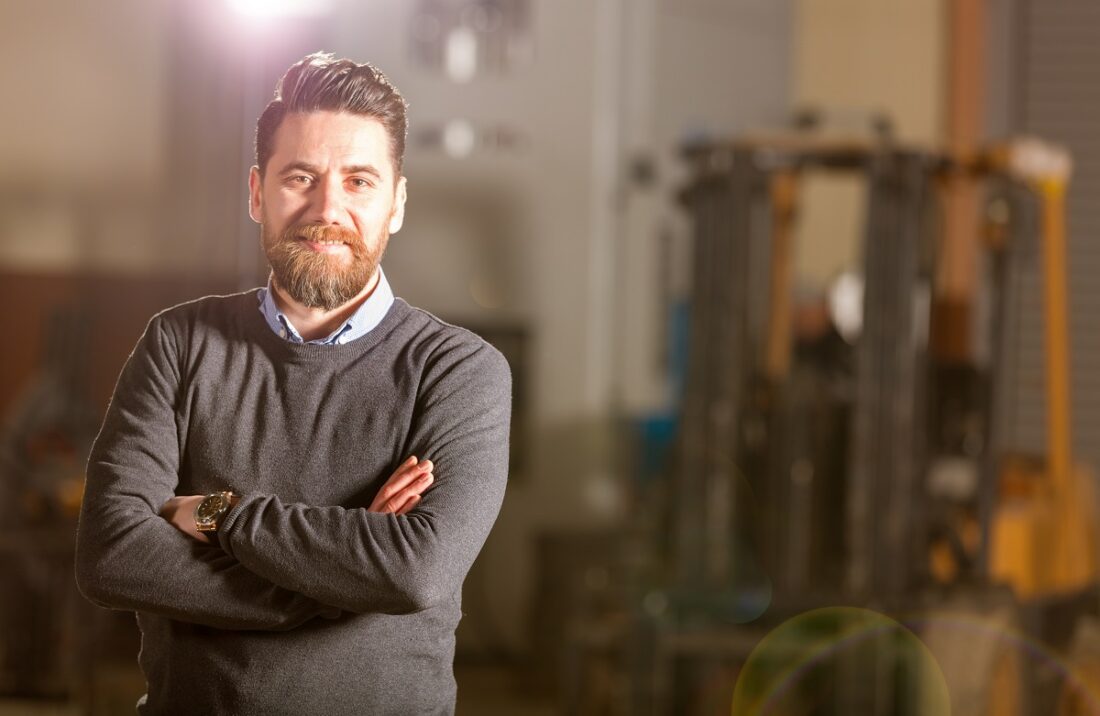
(304, 432)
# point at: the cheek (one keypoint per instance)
(369, 223)
(280, 208)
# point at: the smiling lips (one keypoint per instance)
(324, 245)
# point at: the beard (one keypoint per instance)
(319, 279)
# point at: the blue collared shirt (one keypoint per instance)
(359, 324)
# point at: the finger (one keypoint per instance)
(414, 488)
(409, 505)
(394, 492)
(410, 463)
(406, 474)
(414, 468)
(394, 503)
(390, 493)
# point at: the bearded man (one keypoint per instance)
(291, 483)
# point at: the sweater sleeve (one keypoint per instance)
(127, 556)
(362, 561)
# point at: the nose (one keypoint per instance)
(328, 206)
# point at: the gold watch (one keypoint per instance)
(210, 512)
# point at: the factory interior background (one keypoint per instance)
(799, 299)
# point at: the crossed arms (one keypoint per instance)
(278, 565)
(398, 496)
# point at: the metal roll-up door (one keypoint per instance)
(1055, 90)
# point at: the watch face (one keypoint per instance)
(209, 509)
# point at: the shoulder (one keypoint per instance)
(223, 306)
(205, 313)
(176, 332)
(447, 349)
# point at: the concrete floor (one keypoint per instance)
(483, 690)
(14, 707)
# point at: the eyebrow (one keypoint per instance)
(313, 169)
(363, 169)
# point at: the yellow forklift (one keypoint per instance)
(1034, 529)
(1043, 533)
(794, 492)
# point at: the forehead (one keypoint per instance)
(331, 140)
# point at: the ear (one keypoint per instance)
(397, 216)
(255, 196)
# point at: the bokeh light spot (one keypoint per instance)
(802, 666)
(260, 9)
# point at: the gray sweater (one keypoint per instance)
(311, 604)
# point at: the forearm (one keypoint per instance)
(357, 560)
(323, 552)
(129, 558)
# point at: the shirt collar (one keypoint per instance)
(365, 319)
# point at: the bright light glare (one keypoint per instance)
(846, 305)
(459, 138)
(281, 8)
(461, 54)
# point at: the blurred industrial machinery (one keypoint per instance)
(829, 459)
(56, 648)
(43, 445)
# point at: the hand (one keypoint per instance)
(180, 513)
(402, 491)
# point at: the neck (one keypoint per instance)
(313, 323)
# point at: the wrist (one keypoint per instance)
(211, 511)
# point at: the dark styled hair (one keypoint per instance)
(319, 82)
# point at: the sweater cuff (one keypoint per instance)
(230, 522)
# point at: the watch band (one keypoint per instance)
(213, 508)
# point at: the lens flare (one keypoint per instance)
(259, 9)
(799, 666)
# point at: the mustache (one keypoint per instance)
(317, 278)
(321, 232)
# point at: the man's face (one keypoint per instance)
(327, 203)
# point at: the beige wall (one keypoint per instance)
(82, 83)
(872, 56)
(81, 133)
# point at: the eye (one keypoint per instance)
(361, 183)
(300, 179)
